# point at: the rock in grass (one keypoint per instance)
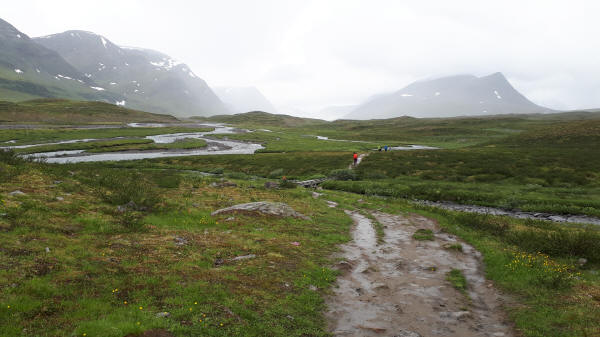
(17, 192)
(262, 208)
(222, 184)
(271, 184)
(163, 314)
(243, 257)
(179, 241)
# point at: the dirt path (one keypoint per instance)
(399, 288)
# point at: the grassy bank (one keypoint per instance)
(62, 111)
(297, 165)
(49, 135)
(294, 141)
(75, 265)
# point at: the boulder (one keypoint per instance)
(243, 257)
(222, 184)
(17, 192)
(262, 208)
(271, 184)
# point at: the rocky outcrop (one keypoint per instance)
(262, 208)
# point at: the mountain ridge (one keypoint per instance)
(147, 79)
(29, 70)
(449, 96)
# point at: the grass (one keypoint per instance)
(180, 144)
(109, 270)
(61, 111)
(107, 145)
(47, 135)
(294, 141)
(103, 278)
(423, 235)
(455, 246)
(458, 280)
(298, 165)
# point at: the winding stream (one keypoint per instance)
(214, 146)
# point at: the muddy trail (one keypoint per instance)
(400, 287)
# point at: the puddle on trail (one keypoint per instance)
(399, 288)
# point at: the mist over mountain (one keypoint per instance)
(148, 80)
(461, 95)
(30, 70)
(244, 99)
(336, 111)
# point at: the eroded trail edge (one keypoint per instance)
(400, 287)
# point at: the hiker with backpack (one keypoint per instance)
(355, 157)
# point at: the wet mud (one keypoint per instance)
(399, 287)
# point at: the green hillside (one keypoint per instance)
(60, 111)
(260, 118)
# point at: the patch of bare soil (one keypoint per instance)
(399, 288)
(153, 333)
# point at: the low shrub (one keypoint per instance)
(343, 174)
(131, 220)
(278, 173)
(423, 235)
(120, 188)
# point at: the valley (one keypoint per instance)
(134, 243)
(280, 168)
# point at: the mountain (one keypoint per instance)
(333, 112)
(148, 80)
(244, 99)
(29, 70)
(462, 95)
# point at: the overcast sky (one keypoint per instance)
(305, 55)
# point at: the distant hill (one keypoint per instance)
(60, 111)
(244, 99)
(463, 95)
(29, 70)
(582, 134)
(148, 80)
(260, 118)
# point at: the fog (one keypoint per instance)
(307, 55)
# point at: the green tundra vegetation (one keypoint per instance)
(62, 111)
(105, 249)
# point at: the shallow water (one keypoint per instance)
(570, 218)
(214, 146)
(413, 147)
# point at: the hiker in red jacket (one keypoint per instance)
(355, 156)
